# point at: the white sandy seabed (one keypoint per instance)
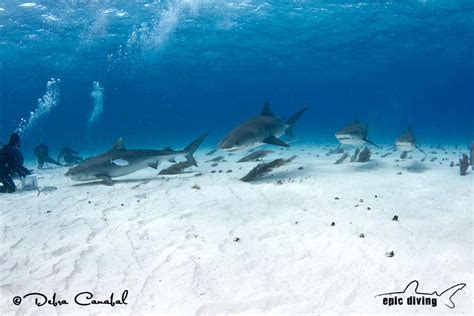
(173, 248)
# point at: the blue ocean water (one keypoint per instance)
(161, 73)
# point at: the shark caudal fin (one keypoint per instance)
(189, 151)
(292, 120)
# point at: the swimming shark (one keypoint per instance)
(407, 141)
(355, 134)
(263, 129)
(119, 161)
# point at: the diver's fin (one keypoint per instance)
(154, 165)
(189, 151)
(371, 142)
(292, 120)
(172, 160)
(272, 140)
(421, 150)
(107, 180)
(118, 144)
(266, 111)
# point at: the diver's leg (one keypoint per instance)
(51, 160)
(40, 162)
(8, 185)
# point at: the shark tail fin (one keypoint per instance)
(189, 151)
(292, 120)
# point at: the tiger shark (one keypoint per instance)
(263, 129)
(355, 134)
(407, 142)
(119, 161)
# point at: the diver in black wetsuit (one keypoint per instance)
(11, 163)
(42, 152)
(69, 156)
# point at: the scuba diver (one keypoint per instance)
(11, 163)
(70, 156)
(42, 152)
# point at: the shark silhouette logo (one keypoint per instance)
(411, 296)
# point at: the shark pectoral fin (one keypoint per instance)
(371, 142)
(272, 140)
(172, 160)
(421, 150)
(154, 165)
(107, 180)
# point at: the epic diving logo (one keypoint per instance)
(411, 297)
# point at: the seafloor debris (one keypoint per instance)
(211, 152)
(390, 254)
(217, 159)
(255, 156)
(472, 155)
(338, 150)
(364, 155)
(341, 159)
(463, 165)
(362, 235)
(395, 218)
(177, 168)
(264, 168)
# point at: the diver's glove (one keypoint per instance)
(23, 172)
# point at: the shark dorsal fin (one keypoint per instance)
(410, 128)
(266, 111)
(118, 144)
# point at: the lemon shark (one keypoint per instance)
(355, 134)
(263, 129)
(119, 161)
